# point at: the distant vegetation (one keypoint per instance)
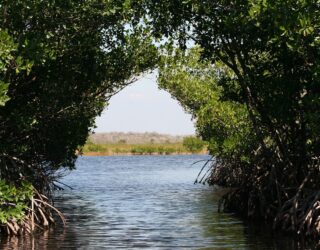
(145, 144)
(134, 138)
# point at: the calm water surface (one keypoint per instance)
(144, 202)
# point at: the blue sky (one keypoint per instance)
(142, 107)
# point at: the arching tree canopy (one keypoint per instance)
(252, 83)
(60, 62)
(265, 60)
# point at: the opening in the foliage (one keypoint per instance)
(143, 107)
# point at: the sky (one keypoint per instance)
(142, 107)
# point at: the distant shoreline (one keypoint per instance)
(93, 154)
(118, 143)
(110, 149)
(135, 138)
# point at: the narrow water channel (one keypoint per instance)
(144, 202)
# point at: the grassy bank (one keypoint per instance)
(92, 149)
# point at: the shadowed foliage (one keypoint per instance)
(60, 62)
(255, 94)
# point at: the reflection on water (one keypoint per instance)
(144, 202)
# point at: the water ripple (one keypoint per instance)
(143, 202)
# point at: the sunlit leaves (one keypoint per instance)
(7, 47)
(200, 88)
(14, 201)
(3, 93)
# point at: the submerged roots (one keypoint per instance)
(300, 215)
(39, 215)
(269, 194)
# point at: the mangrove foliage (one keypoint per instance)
(248, 71)
(60, 62)
(253, 86)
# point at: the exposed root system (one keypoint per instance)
(268, 194)
(40, 215)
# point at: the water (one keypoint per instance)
(144, 202)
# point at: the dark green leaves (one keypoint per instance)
(82, 53)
